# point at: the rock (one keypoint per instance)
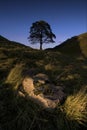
(21, 94)
(28, 85)
(44, 102)
(42, 78)
(56, 94)
(49, 96)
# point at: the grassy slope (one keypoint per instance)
(10, 54)
(75, 45)
(70, 71)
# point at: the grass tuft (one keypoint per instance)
(75, 107)
(15, 76)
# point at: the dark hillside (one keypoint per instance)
(74, 45)
(11, 52)
(4, 42)
(3, 39)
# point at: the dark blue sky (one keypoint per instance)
(67, 18)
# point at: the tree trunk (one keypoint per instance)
(40, 46)
(41, 42)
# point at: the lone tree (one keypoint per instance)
(40, 32)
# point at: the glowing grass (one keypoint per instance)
(75, 106)
(15, 76)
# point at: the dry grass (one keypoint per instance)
(15, 76)
(75, 106)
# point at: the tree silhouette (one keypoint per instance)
(40, 32)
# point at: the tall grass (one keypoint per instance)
(75, 107)
(72, 115)
(15, 76)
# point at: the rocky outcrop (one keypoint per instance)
(42, 91)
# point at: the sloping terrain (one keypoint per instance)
(18, 111)
(10, 53)
(74, 45)
(4, 42)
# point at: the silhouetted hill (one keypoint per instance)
(3, 39)
(4, 42)
(74, 45)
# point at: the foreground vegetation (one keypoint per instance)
(18, 112)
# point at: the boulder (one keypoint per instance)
(49, 96)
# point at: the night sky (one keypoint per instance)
(67, 18)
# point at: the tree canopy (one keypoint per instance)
(41, 32)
